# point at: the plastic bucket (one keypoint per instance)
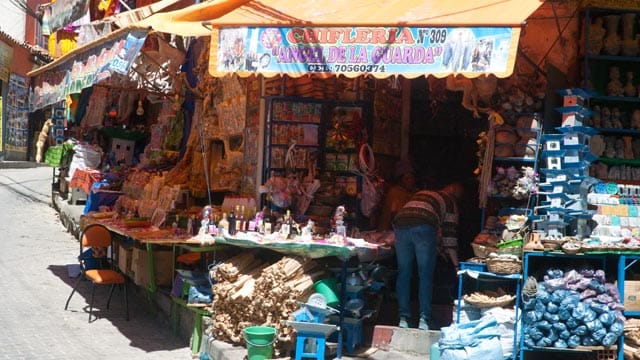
(259, 341)
(329, 289)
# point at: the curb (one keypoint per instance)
(20, 164)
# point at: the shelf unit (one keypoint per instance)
(304, 133)
(470, 271)
(529, 141)
(558, 260)
(616, 103)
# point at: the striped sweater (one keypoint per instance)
(435, 208)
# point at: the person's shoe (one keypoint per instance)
(423, 324)
(403, 324)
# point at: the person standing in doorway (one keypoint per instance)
(424, 227)
(398, 194)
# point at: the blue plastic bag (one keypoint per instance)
(478, 339)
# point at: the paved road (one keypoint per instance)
(34, 252)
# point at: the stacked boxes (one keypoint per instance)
(565, 163)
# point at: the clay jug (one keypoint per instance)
(629, 44)
(596, 36)
(629, 88)
(612, 39)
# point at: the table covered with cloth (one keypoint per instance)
(84, 179)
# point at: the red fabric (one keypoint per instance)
(84, 179)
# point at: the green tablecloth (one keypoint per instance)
(312, 250)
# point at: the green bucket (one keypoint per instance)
(259, 341)
(329, 288)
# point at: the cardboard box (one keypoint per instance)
(162, 265)
(631, 298)
(124, 259)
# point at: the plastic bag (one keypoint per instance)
(572, 323)
(478, 339)
(609, 339)
(606, 319)
(543, 325)
(535, 333)
(559, 326)
(599, 308)
(531, 317)
(564, 315)
(574, 341)
(589, 315)
(580, 330)
(553, 318)
(560, 344)
(593, 325)
(599, 334)
(558, 295)
(617, 328)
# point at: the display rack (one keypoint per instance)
(471, 271)
(525, 154)
(306, 135)
(610, 73)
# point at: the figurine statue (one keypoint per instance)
(596, 119)
(616, 122)
(612, 39)
(614, 87)
(628, 147)
(629, 88)
(605, 115)
(619, 146)
(609, 147)
(596, 36)
(629, 43)
(635, 120)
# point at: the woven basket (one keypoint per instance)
(489, 301)
(504, 266)
(482, 251)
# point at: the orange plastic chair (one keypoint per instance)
(97, 265)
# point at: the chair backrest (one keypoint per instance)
(95, 236)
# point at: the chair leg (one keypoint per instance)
(75, 286)
(93, 289)
(110, 294)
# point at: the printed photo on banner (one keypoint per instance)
(61, 13)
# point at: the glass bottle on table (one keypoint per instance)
(252, 224)
(268, 225)
(223, 224)
(232, 222)
(241, 220)
(285, 228)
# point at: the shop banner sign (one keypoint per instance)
(6, 59)
(379, 51)
(62, 13)
(88, 68)
(17, 114)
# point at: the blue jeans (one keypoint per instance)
(417, 242)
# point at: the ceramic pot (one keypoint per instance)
(629, 88)
(596, 36)
(629, 43)
(612, 41)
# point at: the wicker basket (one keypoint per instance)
(504, 266)
(571, 247)
(487, 301)
(482, 251)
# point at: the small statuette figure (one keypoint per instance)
(629, 88)
(614, 87)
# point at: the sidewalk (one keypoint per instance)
(388, 342)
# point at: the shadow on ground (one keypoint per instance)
(148, 328)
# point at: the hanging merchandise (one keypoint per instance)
(372, 184)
